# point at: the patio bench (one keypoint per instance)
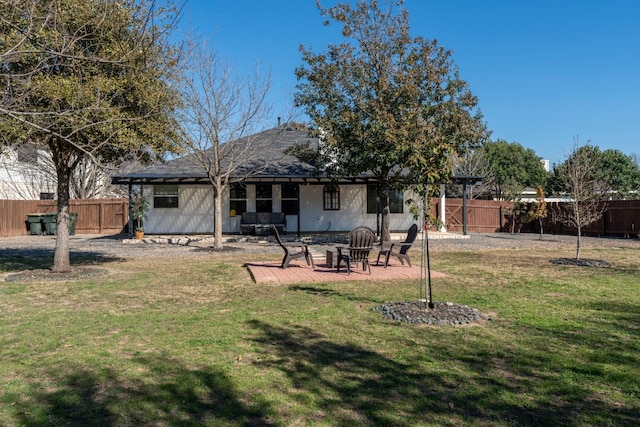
(259, 223)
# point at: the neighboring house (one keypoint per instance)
(27, 172)
(182, 197)
(529, 195)
(24, 173)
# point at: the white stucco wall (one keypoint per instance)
(195, 212)
(193, 216)
(352, 210)
(352, 213)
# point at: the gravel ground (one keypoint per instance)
(114, 246)
(120, 246)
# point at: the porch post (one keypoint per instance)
(377, 208)
(298, 209)
(443, 219)
(464, 208)
(130, 224)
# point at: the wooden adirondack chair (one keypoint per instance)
(360, 244)
(292, 250)
(398, 249)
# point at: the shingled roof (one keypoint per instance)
(268, 163)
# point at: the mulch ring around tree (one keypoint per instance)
(47, 275)
(581, 262)
(442, 314)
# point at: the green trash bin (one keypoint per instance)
(35, 223)
(73, 217)
(50, 224)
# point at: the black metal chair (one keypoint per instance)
(398, 249)
(292, 250)
(360, 244)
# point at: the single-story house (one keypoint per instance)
(182, 198)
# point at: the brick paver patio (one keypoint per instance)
(300, 272)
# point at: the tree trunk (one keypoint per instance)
(578, 221)
(61, 260)
(541, 227)
(217, 216)
(385, 234)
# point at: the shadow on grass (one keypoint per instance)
(335, 383)
(38, 257)
(316, 290)
(169, 394)
(30, 259)
(611, 333)
(350, 385)
(632, 271)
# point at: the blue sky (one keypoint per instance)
(545, 71)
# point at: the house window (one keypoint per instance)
(331, 196)
(238, 198)
(165, 196)
(264, 195)
(289, 199)
(396, 200)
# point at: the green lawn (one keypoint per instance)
(195, 342)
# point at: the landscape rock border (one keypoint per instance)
(442, 314)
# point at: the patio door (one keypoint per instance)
(289, 205)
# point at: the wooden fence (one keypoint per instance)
(111, 216)
(621, 218)
(95, 216)
(483, 216)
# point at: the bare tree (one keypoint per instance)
(580, 180)
(93, 181)
(223, 112)
(474, 163)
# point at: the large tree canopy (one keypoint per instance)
(615, 174)
(621, 173)
(88, 78)
(385, 102)
(514, 168)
